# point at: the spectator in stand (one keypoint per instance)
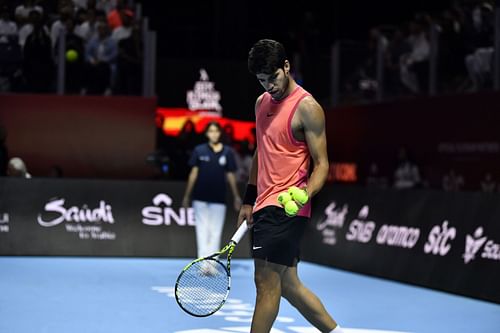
(453, 181)
(398, 46)
(374, 178)
(488, 185)
(38, 67)
(407, 174)
(362, 83)
(74, 67)
(55, 30)
(129, 64)
(106, 5)
(8, 28)
(116, 15)
(23, 11)
(17, 168)
(79, 19)
(34, 18)
(83, 4)
(125, 29)
(87, 28)
(100, 55)
(80, 16)
(479, 40)
(4, 154)
(478, 26)
(451, 50)
(10, 52)
(415, 64)
(50, 8)
(366, 78)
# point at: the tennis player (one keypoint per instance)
(290, 128)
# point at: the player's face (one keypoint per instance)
(213, 134)
(276, 83)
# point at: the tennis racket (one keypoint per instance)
(203, 285)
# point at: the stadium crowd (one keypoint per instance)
(103, 56)
(465, 37)
(103, 46)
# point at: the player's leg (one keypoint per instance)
(268, 284)
(304, 300)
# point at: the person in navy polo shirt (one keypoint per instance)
(211, 163)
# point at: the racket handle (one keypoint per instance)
(238, 235)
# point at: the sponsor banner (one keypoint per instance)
(4, 222)
(101, 218)
(446, 241)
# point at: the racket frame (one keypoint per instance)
(229, 248)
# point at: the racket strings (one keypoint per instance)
(203, 287)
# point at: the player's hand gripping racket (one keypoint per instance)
(203, 285)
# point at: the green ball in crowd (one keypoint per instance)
(71, 55)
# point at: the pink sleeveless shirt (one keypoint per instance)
(282, 160)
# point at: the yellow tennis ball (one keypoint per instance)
(284, 197)
(71, 55)
(299, 195)
(292, 189)
(291, 208)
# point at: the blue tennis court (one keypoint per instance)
(82, 295)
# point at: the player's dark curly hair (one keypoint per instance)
(266, 56)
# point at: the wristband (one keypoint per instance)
(250, 195)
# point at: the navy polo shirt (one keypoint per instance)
(210, 185)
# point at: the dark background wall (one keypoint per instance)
(92, 137)
(111, 137)
(227, 29)
(440, 133)
(218, 35)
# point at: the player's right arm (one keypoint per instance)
(246, 209)
(193, 175)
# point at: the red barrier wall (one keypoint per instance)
(102, 137)
(109, 137)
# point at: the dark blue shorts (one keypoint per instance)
(276, 237)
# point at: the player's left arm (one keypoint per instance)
(313, 123)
